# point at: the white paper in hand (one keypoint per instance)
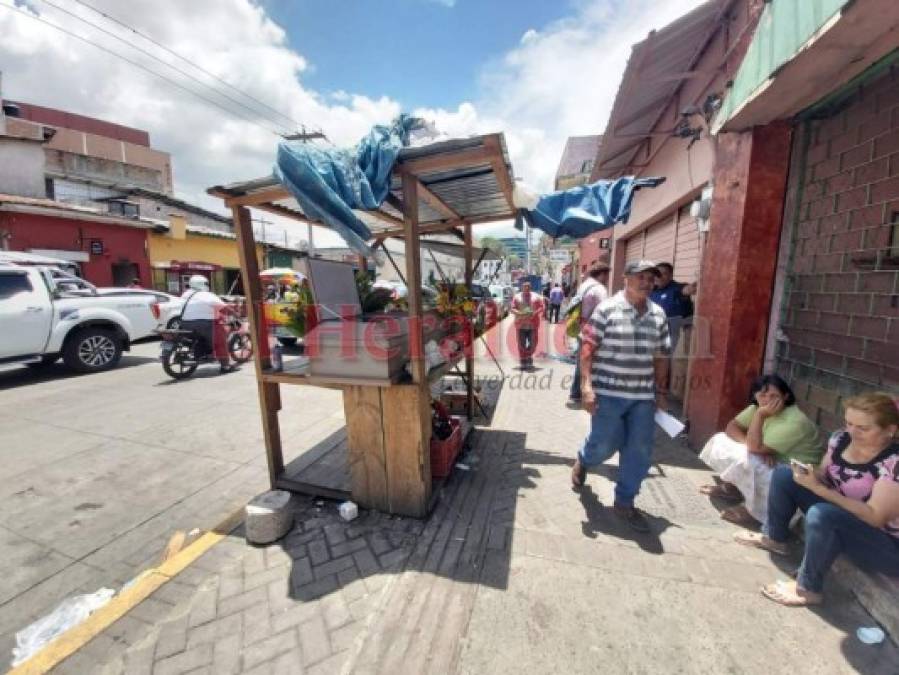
(669, 423)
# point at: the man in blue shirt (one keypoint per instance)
(675, 298)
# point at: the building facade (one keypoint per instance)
(109, 251)
(575, 168)
(780, 152)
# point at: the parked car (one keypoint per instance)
(168, 306)
(42, 320)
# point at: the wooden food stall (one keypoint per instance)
(445, 187)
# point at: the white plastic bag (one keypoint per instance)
(524, 196)
(70, 612)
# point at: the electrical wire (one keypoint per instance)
(168, 50)
(141, 66)
(279, 126)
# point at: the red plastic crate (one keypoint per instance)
(443, 453)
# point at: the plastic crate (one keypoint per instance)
(443, 453)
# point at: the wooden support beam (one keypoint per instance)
(413, 279)
(425, 228)
(469, 351)
(272, 194)
(445, 161)
(500, 170)
(269, 392)
(386, 217)
(395, 202)
(436, 202)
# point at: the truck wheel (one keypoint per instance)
(91, 350)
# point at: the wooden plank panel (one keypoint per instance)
(458, 159)
(272, 194)
(365, 440)
(407, 437)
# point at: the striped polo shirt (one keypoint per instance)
(628, 343)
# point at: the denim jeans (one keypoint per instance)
(627, 426)
(829, 531)
(527, 344)
(575, 392)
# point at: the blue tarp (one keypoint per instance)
(585, 209)
(329, 183)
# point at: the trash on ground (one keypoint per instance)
(69, 613)
(872, 635)
(348, 511)
(463, 467)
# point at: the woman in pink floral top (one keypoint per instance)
(851, 502)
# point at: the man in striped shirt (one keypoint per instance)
(624, 378)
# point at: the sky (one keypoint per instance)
(537, 70)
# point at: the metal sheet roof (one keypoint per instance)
(474, 192)
(802, 51)
(656, 69)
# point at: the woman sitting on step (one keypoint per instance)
(851, 502)
(772, 430)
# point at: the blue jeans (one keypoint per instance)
(575, 392)
(829, 531)
(628, 427)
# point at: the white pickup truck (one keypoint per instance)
(41, 319)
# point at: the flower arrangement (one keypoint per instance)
(454, 299)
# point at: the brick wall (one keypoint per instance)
(841, 310)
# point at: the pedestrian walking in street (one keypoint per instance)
(555, 303)
(624, 364)
(528, 309)
(589, 294)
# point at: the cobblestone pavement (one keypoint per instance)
(513, 572)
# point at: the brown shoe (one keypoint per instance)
(634, 517)
(578, 474)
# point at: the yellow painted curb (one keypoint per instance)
(144, 585)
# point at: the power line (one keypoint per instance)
(186, 60)
(138, 65)
(165, 63)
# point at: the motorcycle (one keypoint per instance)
(182, 351)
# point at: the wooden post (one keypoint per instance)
(469, 353)
(269, 392)
(413, 279)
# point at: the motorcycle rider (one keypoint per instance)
(202, 313)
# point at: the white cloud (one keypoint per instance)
(560, 80)
(445, 3)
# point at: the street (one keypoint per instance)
(100, 470)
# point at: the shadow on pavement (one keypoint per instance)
(20, 376)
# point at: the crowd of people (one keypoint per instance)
(771, 460)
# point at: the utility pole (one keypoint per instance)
(305, 137)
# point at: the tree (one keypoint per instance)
(494, 245)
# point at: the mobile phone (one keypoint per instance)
(800, 467)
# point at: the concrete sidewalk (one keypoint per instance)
(513, 572)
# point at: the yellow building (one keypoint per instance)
(186, 250)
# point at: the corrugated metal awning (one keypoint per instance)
(801, 52)
(478, 189)
(656, 69)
